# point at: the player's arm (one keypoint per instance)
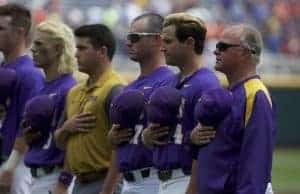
(192, 187)
(29, 86)
(80, 123)
(113, 174)
(255, 160)
(64, 180)
(112, 177)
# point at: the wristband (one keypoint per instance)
(65, 178)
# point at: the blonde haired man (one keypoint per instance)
(54, 51)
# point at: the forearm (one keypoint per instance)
(192, 187)
(61, 136)
(112, 176)
(16, 154)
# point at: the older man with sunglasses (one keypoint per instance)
(134, 159)
(239, 158)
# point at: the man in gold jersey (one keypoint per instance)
(89, 156)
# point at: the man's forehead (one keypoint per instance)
(139, 25)
(232, 34)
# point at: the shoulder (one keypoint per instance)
(206, 79)
(255, 93)
(254, 87)
(76, 89)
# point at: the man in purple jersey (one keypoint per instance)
(15, 24)
(183, 36)
(239, 159)
(54, 51)
(134, 159)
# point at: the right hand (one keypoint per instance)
(6, 177)
(152, 134)
(202, 135)
(116, 135)
(30, 135)
(82, 122)
(59, 189)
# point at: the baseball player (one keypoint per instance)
(15, 23)
(134, 159)
(183, 36)
(54, 51)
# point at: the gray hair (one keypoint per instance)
(251, 39)
(154, 22)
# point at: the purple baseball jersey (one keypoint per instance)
(177, 154)
(44, 152)
(135, 155)
(239, 159)
(28, 82)
(8, 79)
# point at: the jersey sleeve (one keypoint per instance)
(255, 161)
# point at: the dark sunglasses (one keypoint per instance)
(135, 37)
(222, 46)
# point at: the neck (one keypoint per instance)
(51, 72)
(148, 66)
(191, 65)
(15, 53)
(237, 77)
(96, 74)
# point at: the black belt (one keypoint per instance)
(129, 176)
(165, 175)
(43, 171)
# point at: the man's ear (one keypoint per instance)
(59, 49)
(190, 42)
(102, 51)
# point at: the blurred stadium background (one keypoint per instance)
(278, 20)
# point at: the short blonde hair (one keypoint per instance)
(61, 33)
(188, 26)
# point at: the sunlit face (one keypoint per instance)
(228, 51)
(172, 48)
(86, 55)
(139, 42)
(44, 51)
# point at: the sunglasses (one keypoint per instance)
(135, 37)
(222, 46)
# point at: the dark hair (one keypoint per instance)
(154, 22)
(21, 16)
(188, 26)
(99, 35)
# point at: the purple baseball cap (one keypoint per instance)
(39, 112)
(7, 81)
(127, 109)
(213, 106)
(164, 106)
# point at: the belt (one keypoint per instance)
(137, 175)
(87, 177)
(165, 175)
(44, 170)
